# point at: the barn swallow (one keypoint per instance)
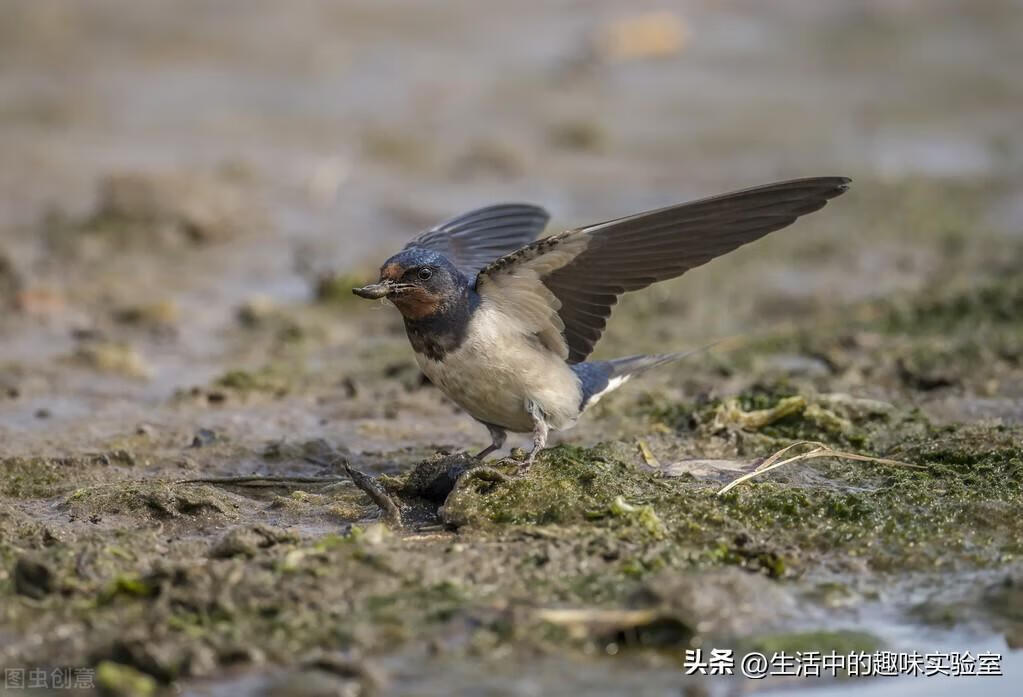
(502, 322)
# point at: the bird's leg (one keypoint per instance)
(539, 432)
(497, 436)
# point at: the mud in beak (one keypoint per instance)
(374, 291)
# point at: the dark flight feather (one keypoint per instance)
(586, 269)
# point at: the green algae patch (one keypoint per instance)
(996, 302)
(581, 551)
(116, 680)
(41, 477)
(774, 414)
(111, 358)
(963, 508)
(779, 417)
(825, 641)
(565, 485)
(644, 516)
(731, 413)
(128, 585)
(588, 548)
(31, 477)
(962, 505)
(153, 501)
(20, 529)
(265, 380)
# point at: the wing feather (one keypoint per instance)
(474, 239)
(562, 288)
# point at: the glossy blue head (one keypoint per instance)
(420, 282)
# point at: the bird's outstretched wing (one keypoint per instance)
(474, 239)
(562, 288)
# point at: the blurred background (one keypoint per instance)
(169, 165)
(165, 164)
(168, 169)
(188, 191)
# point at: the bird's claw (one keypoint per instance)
(520, 460)
(524, 465)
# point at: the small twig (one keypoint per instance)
(369, 485)
(332, 464)
(267, 481)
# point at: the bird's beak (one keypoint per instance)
(375, 291)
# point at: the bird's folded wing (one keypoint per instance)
(562, 288)
(474, 239)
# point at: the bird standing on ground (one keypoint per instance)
(502, 322)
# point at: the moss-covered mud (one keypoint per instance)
(110, 561)
(184, 374)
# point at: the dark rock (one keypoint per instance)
(33, 578)
(203, 437)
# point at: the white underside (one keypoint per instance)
(499, 369)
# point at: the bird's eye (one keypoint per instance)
(425, 273)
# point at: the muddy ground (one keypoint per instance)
(188, 195)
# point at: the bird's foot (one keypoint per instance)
(539, 434)
(497, 437)
(523, 460)
(481, 455)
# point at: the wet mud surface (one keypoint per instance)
(185, 376)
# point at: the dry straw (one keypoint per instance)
(819, 450)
